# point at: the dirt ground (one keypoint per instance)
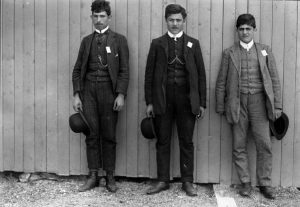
(40, 191)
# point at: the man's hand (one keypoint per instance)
(201, 113)
(77, 104)
(149, 111)
(278, 113)
(119, 102)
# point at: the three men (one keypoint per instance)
(248, 94)
(100, 81)
(175, 89)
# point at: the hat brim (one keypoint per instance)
(280, 126)
(85, 121)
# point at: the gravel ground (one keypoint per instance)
(39, 190)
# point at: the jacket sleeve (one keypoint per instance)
(149, 74)
(77, 70)
(275, 79)
(221, 83)
(201, 74)
(123, 74)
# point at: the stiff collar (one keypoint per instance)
(102, 31)
(175, 36)
(247, 46)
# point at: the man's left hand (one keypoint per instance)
(201, 113)
(278, 113)
(119, 102)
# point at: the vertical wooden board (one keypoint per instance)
(278, 51)
(18, 95)
(52, 76)
(226, 135)
(204, 20)
(296, 174)
(75, 141)
(86, 27)
(156, 30)
(28, 86)
(40, 124)
(1, 92)
(112, 24)
(192, 30)
(214, 159)
(8, 84)
(63, 88)
(254, 9)
(132, 99)
(289, 90)
(121, 15)
(143, 49)
(266, 22)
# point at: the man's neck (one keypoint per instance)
(102, 31)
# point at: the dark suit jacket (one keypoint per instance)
(156, 74)
(229, 81)
(117, 61)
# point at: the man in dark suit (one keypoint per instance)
(100, 81)
(175, 88)
(248, 93)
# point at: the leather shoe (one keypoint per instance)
(267, 191)
(91, 182)
(111, 183)
(158, 187)
(189, 189)
(245, 189)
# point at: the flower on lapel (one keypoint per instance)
(190, 45)
(264, 53)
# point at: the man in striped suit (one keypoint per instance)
(248, 93)
(100, 81)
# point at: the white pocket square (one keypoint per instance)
(264, 53)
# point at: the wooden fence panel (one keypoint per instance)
(38, 52)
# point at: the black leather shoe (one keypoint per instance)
(245, 189)
(91, 182)
(189, 189)
(267, 191)
(111, 183)
(158, 187)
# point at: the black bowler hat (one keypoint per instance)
(78, 123)
(147, 128)
(280, 126)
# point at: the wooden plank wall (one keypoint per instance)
(39, 45)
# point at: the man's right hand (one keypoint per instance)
(77, 104)
(149, 111)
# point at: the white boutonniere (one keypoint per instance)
(190, 45)
(264, 53)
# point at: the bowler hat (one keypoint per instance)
(280, 126)
(78, 123)
(147, 128)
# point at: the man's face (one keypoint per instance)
(100, 20)
(246, 33)
(175, 23)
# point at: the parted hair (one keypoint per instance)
(245, 19)
(101, 5)
(175, 9)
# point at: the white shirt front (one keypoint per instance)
(102, 31)
(178, 35)
(247, 46)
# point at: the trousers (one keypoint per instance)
(98, 100)
(253, 115)
(178, 108)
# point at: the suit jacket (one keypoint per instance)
(156, 74)
(117, 61)
(229, 82)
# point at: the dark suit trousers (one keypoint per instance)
(98, 100)
(178, 108)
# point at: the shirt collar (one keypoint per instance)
(178, 35)
(247, 46)
(102, 31)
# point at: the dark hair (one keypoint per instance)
(245, 19)
(100, 6)
(175, 9)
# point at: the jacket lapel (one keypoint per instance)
(110, 38)
(185, 48)
(235, 56)
(164, 44)
(260, 57)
